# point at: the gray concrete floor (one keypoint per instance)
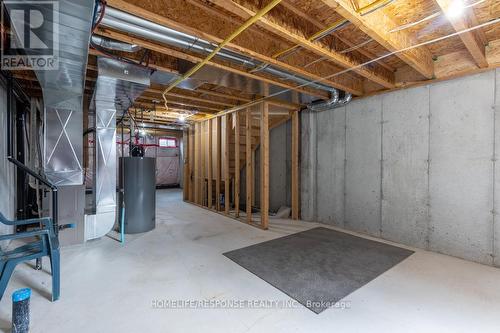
(109, 287)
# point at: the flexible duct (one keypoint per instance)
(334, 102)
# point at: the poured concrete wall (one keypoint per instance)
(415, 166)
(7, 174)
(280, 162)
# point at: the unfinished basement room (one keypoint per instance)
(250, 166)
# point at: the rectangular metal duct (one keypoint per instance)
(63, 89)
(118, 85)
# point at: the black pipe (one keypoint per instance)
(19, 165)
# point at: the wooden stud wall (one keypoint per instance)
(216, 151)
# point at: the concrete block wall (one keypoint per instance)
(415, 166)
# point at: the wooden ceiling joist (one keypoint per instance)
(471, 40)
(321, 26)
(195, 59)
(385, 79)
(157, 93)
(141, 103)
(377, 25)
(344, 82)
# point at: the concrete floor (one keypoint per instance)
(107, 287)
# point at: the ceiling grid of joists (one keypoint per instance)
(335, 60)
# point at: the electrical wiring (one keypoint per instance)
(432, 41)
(355, 47)
(101, 15)
(235, 34)
(430, 17)
(372, 7)
(409, 25)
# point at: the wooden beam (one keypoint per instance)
(386, 79)
(237, 163)
(320, 26)
(146, 102)
(191, 164)
(185, 185)
(248, 161)
(210, 162)
(157, 93)
(203, 169)
(295, 165)
(264, 165)
(212, 32)
(222, 105)
(377, 25)
(470, 39)
(218, 162)
(227, 136)
(197, 164)
(219, 94)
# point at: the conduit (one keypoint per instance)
(235, 34)
(320, 34)
(372, 7)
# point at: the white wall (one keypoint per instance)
(415, 166)
(7, 175)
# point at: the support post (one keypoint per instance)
(249, 164)
(202, 163)
(237, 163)
(218, 163)
(264, 165)
(191, 164)
(197, 163)
(185, 184)
(295, 165)
(210, 165)
(227, 133)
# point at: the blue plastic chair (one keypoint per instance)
(46, 244)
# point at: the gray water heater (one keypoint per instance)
(139, 193)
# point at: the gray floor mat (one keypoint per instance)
(320, 266)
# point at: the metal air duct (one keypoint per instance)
(112, 44)
(119, 20)
(62, 88)
(118, 85)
